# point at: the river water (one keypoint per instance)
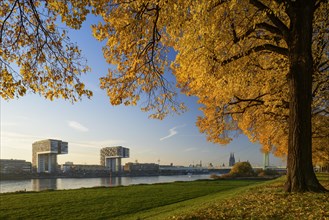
(76, 183)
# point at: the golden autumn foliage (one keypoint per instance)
(35, 54)
(233, 55)
(242, 169)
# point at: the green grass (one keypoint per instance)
(206, 199)
(139, 201)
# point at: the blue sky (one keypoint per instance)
(92, 124)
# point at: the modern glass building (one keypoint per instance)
(110, 157)
(44, 154)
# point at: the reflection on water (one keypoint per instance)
(76, 183)
(43, 184)
(111, 181)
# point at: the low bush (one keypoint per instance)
(242, 169)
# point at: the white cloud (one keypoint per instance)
(190, 149)
(11, 137)
(17, 145)
(172, 132)
(77, 126)
(97, 144)
(18, 120)
(9, 124)
(21, 140)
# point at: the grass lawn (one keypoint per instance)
(112, 203)
(206, 199)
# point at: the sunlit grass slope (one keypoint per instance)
(267, 201)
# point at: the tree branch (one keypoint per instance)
(264, 47)
(323, 111)
(275, 20)
(218, 3)
(256, 99)
(272, 29)
(5, 20)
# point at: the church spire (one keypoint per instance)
(231, 160)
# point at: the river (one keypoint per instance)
(76, 183)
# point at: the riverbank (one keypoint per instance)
(206, 199)
(28, 176)
(76, 183)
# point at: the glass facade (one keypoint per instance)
(110, 157)
(44, 154)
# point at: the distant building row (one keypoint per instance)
(44, 157)
(15, 166)
(44, 160)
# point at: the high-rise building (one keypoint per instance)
(110, 157)
(231, 160)
(44, 154)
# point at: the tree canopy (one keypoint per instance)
(35, 54)
(259, 67)
(232, 55)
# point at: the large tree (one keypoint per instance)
(252, 64)
(259, 67)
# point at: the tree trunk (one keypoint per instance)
(300, 174)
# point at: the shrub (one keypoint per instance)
(242, 169)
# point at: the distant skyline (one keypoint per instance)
(89, 125)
